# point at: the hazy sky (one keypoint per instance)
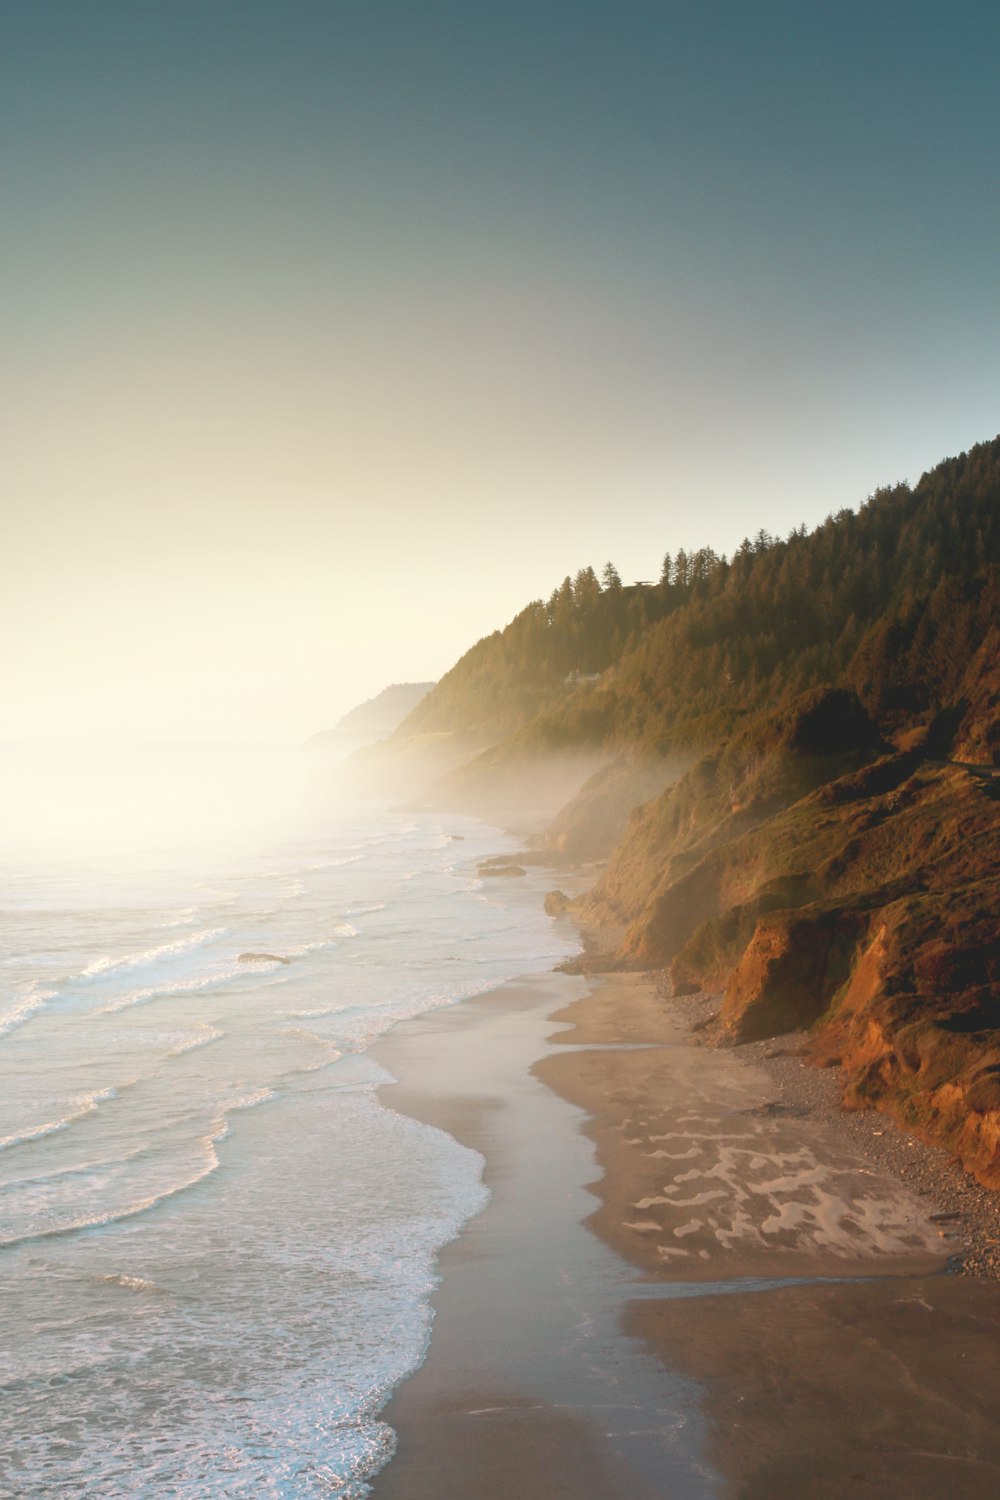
(334, 333)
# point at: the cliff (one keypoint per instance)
(850, 891)
(787, 760)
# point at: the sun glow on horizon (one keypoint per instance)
(343, 332)
(77, 799)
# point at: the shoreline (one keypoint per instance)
(481, 1416)
(530, 1385)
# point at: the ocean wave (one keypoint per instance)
(250, 1100)
(322, 1010)
(332, 1053)
(131, 1210)
(410, 1177)
(31, 1002)
(116, 1215)
(182, 918)
(202, 1038)
(181, 987)
(107, 964)
(316, 946)
(335, 864)
(76, 1169)
(84, 1105)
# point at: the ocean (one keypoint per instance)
(217, 1247)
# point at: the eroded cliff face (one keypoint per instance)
(594, 822)
(853, 894)
(698, 851)
(915, 1027)
(786, 759)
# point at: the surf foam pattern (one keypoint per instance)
(216, 1221)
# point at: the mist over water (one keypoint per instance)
(216, 1246)
(87, 797)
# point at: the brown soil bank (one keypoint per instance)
(821, 879)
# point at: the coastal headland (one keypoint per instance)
(766, 789)
(783, 772)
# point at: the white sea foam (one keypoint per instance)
(219, 1131)
(201, 1038)
(319, 1010)
(131, 1210)
(253, 1178)
(181, 986)
(32, 1001)
(106, 964)
(298, 950)
(75, 1169)
(331, 1054)
(79, 1109)
(251, 1099)
(336, 863)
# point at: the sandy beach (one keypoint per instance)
(683, 1285)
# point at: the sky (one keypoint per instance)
(332, 334)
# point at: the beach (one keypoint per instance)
(689, 1281)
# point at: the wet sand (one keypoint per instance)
(650, 1324)
(880, 1390)
(707, 1175)
(530, 1389)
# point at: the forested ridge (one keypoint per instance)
(511, 675)
(887, 599)
(775, 746)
